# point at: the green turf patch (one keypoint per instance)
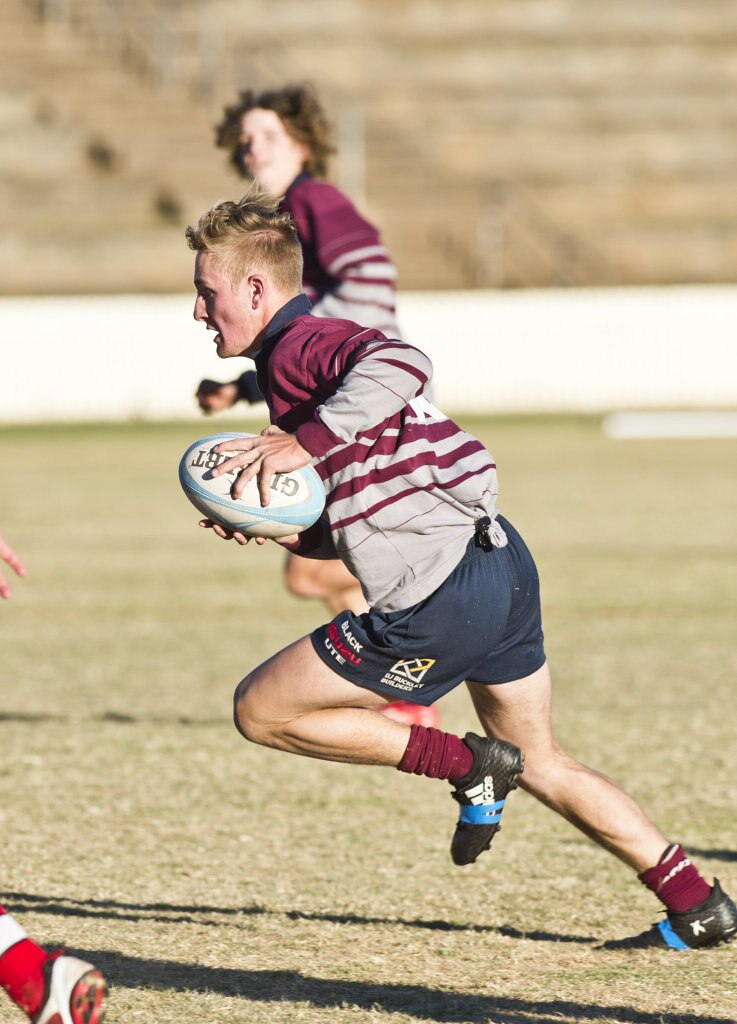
(215, 881)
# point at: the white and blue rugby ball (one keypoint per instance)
(297, 498)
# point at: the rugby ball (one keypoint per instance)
(297, 498)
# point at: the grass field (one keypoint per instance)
(217, 882)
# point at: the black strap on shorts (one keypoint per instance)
(481, 526)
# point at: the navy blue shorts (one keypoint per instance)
(483, 624)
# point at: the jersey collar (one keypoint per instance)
(298, 306)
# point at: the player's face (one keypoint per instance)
(269, 153)
(230, 312)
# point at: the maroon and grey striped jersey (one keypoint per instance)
(347, 270)
(404, 483)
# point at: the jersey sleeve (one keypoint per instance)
(381, 378)
(315, 542)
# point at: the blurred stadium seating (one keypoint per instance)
(497, 143)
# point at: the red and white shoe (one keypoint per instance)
(412, 714)
(75, 992)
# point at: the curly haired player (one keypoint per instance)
(282, 139)
(452, 588)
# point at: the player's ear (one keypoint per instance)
(258, 286)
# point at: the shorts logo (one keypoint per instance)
(408, 674)
(350, 638)
(413, 668)
(339, 649)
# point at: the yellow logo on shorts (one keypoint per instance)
(414, 669)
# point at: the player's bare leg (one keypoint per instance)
(294, 702)
(520, 713)
(697, 914)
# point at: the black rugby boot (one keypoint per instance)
(710, 923)
(482, 793)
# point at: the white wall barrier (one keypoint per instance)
(140, 357)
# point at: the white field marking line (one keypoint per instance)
(631, 426)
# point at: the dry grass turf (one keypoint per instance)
(217, 882)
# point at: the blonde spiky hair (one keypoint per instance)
(251, 234)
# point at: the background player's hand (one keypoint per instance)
(272, 452)
(241, 538)
(10, 558)
(213, 396)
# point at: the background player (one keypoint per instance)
(281, 139)
(52, 988)
(454, 592)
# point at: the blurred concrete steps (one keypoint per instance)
(506, 143)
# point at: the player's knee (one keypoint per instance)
(297, 587)
(300, 581)
(244, 715)
(240, 719)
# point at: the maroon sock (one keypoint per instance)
(436, 754)
(675, 881)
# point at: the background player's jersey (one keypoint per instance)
(347, 270)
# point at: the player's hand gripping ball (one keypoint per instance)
(297, 498)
